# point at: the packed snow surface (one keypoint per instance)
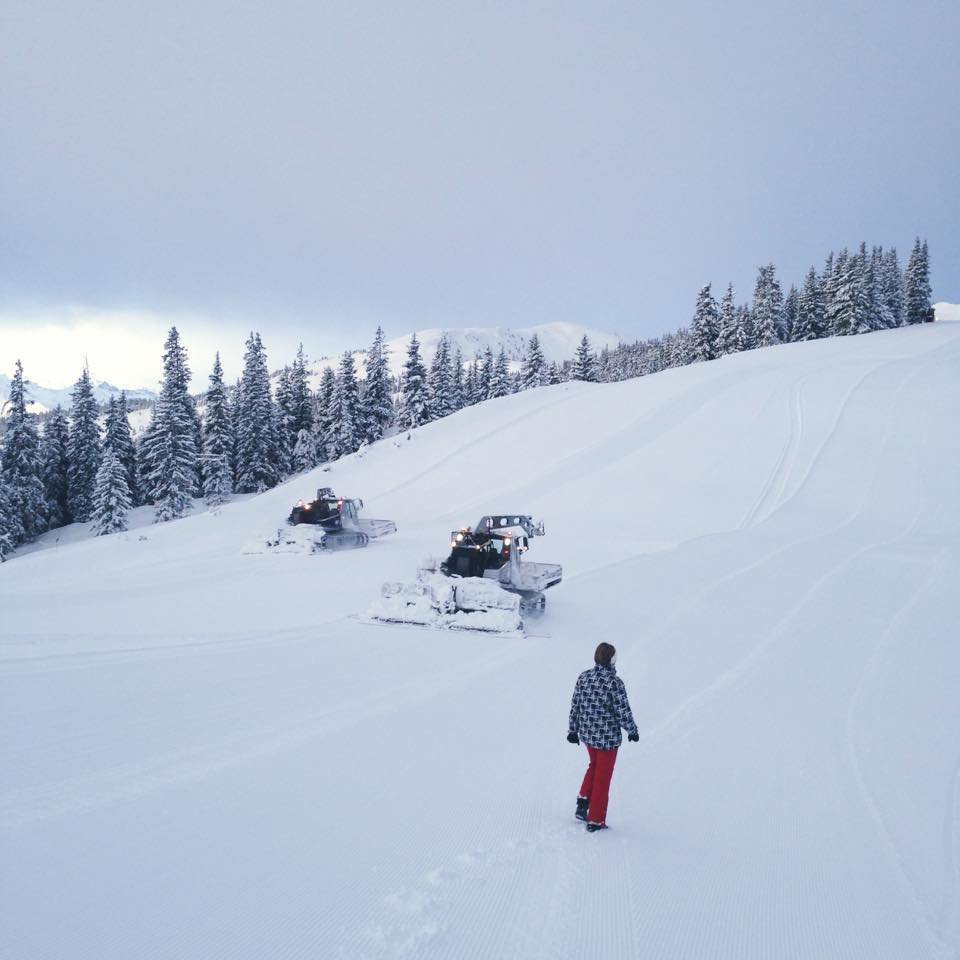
(205, 756)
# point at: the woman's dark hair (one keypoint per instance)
(604, 654)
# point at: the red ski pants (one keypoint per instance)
(596, 782)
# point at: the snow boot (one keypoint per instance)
(593, 827)
(582, 805)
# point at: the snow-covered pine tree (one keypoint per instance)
(323, 414)
(21, 467)
(305, 451)
(604, 368)
(727, 324)
(810, 317)
(870, 318)
(414, 394)
(485, 382)
(169, 450)
(916, 284)
(930, 315)
(347, 432)
(584, 362)
(286, 434)
(8, 539)
(377, 404)
(109, 422)
(256, 437)
(500, 378)
(294, 409)
(83, 449)
(534, 372)
(555, 374)
(56, 465)
(234, 408)
(457, 385)
(790, 306)
(660, 354)
(176, 379)
(441, 402)
(118, 438)
(744, 333)
(111, 499)
(859, 269)
(880, 317)
(767, 310)
(682, 348)
(891, 288)
(218, 441)
(471, 386)
(300, 401)
(833, 283)
(703, 330)
(665, 352)
(846, 296)
(611, 364)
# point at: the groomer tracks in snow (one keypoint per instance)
(205, 756)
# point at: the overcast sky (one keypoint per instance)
(312, 169)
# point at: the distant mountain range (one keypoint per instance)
(46, 398)
(558, 341)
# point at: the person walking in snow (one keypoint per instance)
(598, 711)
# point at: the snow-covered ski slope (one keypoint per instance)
(203, 756)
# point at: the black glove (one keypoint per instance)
(633, 737)
(572, 737)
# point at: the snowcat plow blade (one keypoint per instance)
(531, 576)
(376, 528)
(302, 539)
(295, 541)
(433, 600)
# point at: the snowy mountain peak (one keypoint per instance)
(558, 341)
(44, 399)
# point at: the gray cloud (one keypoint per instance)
(331, 166)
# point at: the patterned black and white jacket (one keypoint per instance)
(600, 708)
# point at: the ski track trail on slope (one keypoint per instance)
(735, 674)
(125, 781)
(688, 712)
(949, 915)
(940, 921)
(929, 356)
(159, 649)
(470, 441)
(940, 938)
(766, 506)
(765, 503)
(772, 493)
(612, 450)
